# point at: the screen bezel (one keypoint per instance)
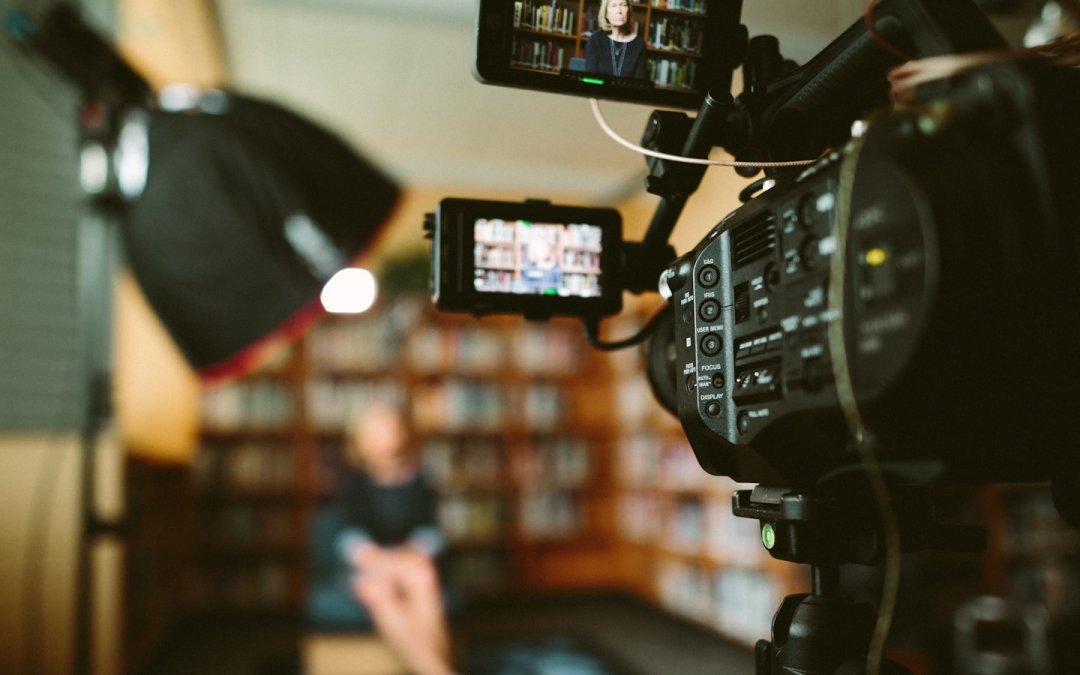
(456, 232)
(491, 65)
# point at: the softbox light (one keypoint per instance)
(234, 212)
(248, 209)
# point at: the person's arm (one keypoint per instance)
(426, 536)
(593, 52)
(428, 539)
(351, 543)
(640, 71)
(350, 536)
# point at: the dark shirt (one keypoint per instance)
(365, 511)
(389, 515)
(599, 59)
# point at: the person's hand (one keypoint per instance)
(409, 553)
(373, 559)
(368, 557)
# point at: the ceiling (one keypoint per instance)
(394, 78)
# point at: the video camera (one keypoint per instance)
(958, 260)
(951, 231)
(911, 290)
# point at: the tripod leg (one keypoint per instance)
(763, 658)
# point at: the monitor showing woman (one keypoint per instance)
(617, 49)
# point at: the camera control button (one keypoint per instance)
(810, 253)
(814, 376)
(814, 210)
(709, 310)
(772, 276)
(711, 344)
(708, 276)
(713, 409)
(794, 380)
(743, 422)
(718, 380)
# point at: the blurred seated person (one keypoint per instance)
(378, 547)
(540, 272)
(617, 49)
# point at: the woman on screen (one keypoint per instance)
(617, 49)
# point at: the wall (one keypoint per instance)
(155, 392)
(38, 533)
(171, 42)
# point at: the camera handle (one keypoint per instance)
(788, 112)
(784, 111)
(720, 122)
(825, 632)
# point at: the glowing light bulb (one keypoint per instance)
(350, 291)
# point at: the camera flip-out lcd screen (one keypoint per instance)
(530, 258)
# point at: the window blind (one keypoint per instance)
(39, 213)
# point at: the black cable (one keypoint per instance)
(592, 330)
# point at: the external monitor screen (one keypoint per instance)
(660, 52)
(659, 44)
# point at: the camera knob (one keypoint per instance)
(708, 276)
(709, 310)
(810, 253)
(675, 277)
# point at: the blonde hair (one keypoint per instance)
(375, 417)
(602, 19)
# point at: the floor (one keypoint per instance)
(631, 637)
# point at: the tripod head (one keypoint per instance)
(824, 632)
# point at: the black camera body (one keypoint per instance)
(959, 315)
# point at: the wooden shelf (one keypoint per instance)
(682, 546)
(545, 33)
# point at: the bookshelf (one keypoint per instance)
(510, 417)
(155, 557)
(1035, 554)
(700, 561)
(680, 543)
(550, 36)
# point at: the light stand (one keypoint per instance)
(97, 265)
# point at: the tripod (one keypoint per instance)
(825, 632)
